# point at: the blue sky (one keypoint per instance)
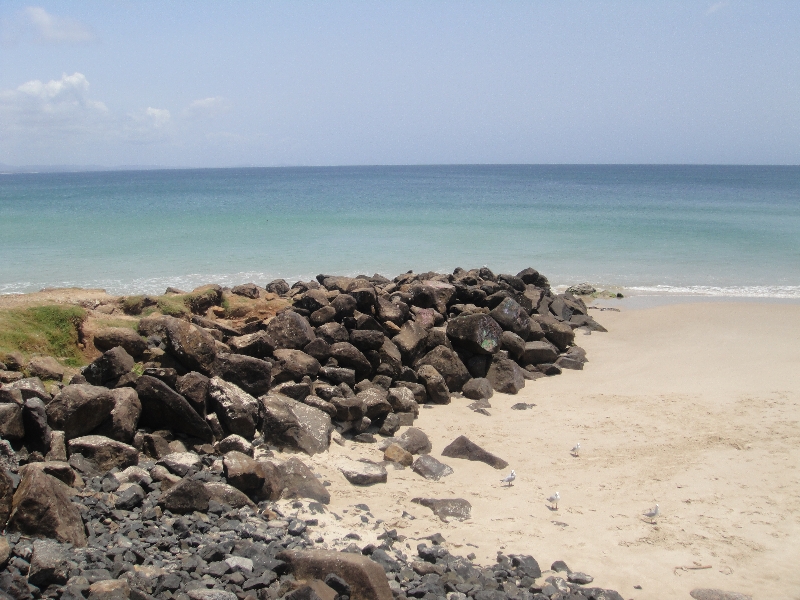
(204, 84)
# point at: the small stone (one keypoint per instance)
(579, 578)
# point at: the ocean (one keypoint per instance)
(700, 230)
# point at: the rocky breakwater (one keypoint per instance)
(160, 468)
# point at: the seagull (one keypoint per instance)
(576, 449)
(652, 513)
(554, 500)
(510, 478)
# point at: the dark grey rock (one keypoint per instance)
(430, 468)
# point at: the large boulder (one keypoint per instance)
(366, 578)
(430, 468)
(164, 408)
(243, 472)
(250, 374)
(49, 563)
(559, 333)
(124, 418)
(295, 425)
(432, 294)
(505, 376)
(191, 345)
(536, 353)
(37, 431)
(186, 496)
(462, 447)
(237, 410)
(46, 367)
(194, 388)
(12, 426)
(79, 409)
(361, 472)
(257, 344)
(42, 508)
(289, 330)
(411, 341)
(375, 402)
(478, 333)
(293, 479)
(512, 317)
(29, 387)
(109, 367)
(391, 359)
(111, 337)
(391, 312)
(293, 365)
(479, 388)
(449, 366)
(437, 389)
(227, 494)
(104, 452)
(350, 357)
(414, 441)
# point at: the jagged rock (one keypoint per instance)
(338, 375)
(560, 334)
(432, 294)
(288, 330)
(395, 453)
(37, 432)
(366, 578)
(192, 346)
(295, 391)
(414, 441)
(298, 481)
(350, 357)
(435, 385)
(345, 306)
(29, 387)
(250, 374)
(49, 563)
(109, 367)
(105, 452)
(295, 425)
(402, 400)
(539, 352)
(294, 365)
(46, 367)
(505, 376)
(112, 337)
(375, 403)
(242, 472)
(360, 472)
(155, 446)
(257, 344)
(462, 447)
(566, 362)
(110, 589)
(234, 443)
(513, 344)
(478, 333)
(163, 408)
(237, 410)
(333, 333)
(194, 388)
(390, 424)
(579, 578)
(227, 494)
(348, 409)
(248, 290)
(277, 286)
(512, 317)
(319, 349)
(42, 508)
(449, 366)
(121, 423)
(479, 388)
(430, 468)
(456, 508)
(181, 463)
(12, 426)
(411, 341)
(186, 496)
(79, 409)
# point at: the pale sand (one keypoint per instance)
(693, 406)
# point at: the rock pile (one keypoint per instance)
(152, 472)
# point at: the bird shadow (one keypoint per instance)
(551, 508)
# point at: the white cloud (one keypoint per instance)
(52, 29)
(207, 107)
(159, 116)
(715, 7)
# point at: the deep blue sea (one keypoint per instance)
(714, 230)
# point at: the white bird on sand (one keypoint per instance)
(554, 500)
(576, 449)
(510, 478)
(652, 513)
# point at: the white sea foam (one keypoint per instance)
(745, 291)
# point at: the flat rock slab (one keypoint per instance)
(712, 594)
(462, 447)
(430, 468)
(456, 508)
(362, 473)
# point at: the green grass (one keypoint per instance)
(48, 330)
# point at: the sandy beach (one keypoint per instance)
(692, 406)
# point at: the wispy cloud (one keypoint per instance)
(715, 7)
(52, 29)
(207, 107)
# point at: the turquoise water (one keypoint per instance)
(685, 229)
